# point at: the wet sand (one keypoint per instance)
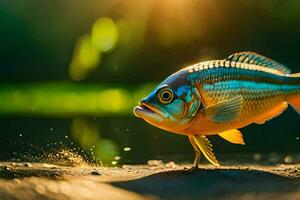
(36, 181)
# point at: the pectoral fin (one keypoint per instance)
(234, 136)
(206, 148)
(225, 111)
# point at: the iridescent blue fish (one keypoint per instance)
(220, 97)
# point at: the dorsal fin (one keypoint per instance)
(257, 59)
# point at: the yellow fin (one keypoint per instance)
(206, 148)
(225, 111)
(234, 136)
(275, 112)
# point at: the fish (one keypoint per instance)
(219, 97)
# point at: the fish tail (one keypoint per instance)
(295, 103)
(294, 98)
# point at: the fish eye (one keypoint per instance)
(165, 96)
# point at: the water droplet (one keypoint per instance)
(127, 149)
(118, 158)
(114, 162)
(288, 159)
(257, 156)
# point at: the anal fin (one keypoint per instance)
(206, 148)
(234, 136)
(275, 112)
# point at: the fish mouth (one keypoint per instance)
(147, 112)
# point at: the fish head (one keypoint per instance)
(171, 106)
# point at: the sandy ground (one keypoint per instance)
(37, 181)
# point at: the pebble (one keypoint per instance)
(17, 181)
(49, 166)
(154, 162)
(27, 165)
(171, 164)
(17, 164)
(126, 167)
(96, 173)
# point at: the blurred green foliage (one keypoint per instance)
(147, 39)
(70, 100)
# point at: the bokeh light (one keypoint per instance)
(105, 34)
(88, 135)
(87, 53)
(85, 133)
(85, 59)
(106, 150)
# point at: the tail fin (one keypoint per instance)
(294, 100)
(295, 103)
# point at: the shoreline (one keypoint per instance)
(163, 181)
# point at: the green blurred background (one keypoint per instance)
(72, 71)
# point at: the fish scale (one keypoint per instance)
(262, 89)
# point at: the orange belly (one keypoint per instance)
(253, 111)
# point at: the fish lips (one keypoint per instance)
(148, 113)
